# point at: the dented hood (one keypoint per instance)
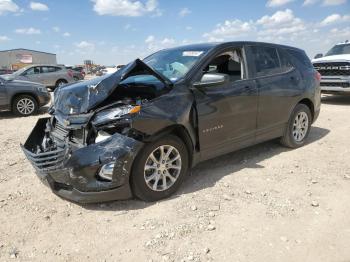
(81, 97)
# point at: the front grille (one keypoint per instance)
(46, 161)
(59, 132)
(333, 68)
(341, 84)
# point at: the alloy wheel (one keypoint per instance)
(300, 126)
(25, 106)
(162, 168)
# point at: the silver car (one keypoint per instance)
(51, 76)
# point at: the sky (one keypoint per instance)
(113, 32)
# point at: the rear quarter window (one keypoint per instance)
(300, 58)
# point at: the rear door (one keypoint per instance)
(279, 86)
(49, 75)
(227, 112)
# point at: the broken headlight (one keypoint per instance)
(106, 172)
(114, 114)
(102, 136)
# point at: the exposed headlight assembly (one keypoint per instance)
(114, 113)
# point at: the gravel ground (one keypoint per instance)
(264, 203)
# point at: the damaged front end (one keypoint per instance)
(85, 150)
(82, 173)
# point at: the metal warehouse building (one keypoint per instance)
(17, 58)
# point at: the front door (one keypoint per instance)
(33, 74)
(226, 113)
(3, 94)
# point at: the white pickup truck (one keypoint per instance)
(334, 68)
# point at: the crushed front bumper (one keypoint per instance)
(73, 173)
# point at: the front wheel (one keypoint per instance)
(159, 169)
(298, 127)
(24, 105)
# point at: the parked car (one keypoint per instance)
(22, 97)
(78, 72)
(6, 71)
(137, 132)
(51, 76)
(334, 68)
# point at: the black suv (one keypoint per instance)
(139, 130)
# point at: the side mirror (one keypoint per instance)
(318, 56)
(212, 79)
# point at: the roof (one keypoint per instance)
(196, 47)
(17, 49)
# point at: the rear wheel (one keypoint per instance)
(60, 82)
(298, 127)
(159, 169)
(24, 105)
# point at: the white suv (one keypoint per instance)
(334, 68)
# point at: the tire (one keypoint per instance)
(60, 82)
(24, 105)
(298, 127)
(157, 171)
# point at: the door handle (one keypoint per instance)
(248, 89)
(294, 79)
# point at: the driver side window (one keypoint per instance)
(229, 63)
(32, 71)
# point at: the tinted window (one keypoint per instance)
(32, 71)
(54, 69)
(285, 59)
(44, 69)
(300, 57)
(266, 60)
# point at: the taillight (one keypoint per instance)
(318, 76)
(70, 73)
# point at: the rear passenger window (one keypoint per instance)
(285, 59)
(266, 60)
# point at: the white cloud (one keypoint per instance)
(334, 19)
(157, 44)
(309, 2)
(8, 6)
(66, 34)
(36, 6)
(28, 31)
(188, 28)
(277, 3)
(184, 12)
(280, 23)
(126, 7)
(4, 38)
(56, 29)
(85, 47)
(324, 2)
(333, 2)
(284, 27)
(230, 30)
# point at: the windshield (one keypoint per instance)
(174, 63)
(339, 50)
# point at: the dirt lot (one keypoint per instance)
(265, 203)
